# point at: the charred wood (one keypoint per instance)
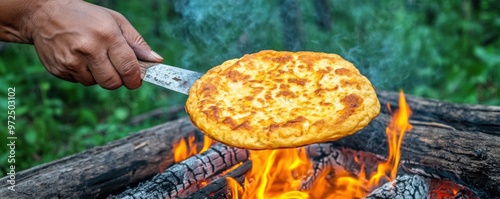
(219, 188)
(458, 142)
(404, 186)
(445, 189)
(180, 177)
(104, 170)
(326, 157)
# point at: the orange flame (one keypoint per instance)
(279, 173)
(183, 150)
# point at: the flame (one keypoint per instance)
(279, 173)
(184, 149)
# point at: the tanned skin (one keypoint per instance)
(78, 41)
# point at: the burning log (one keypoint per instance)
(103, 170)
(458, 142)
(444, 189)
(325, 157)
(184, 177)
(404, 186)
(450, 141)
(219, 188)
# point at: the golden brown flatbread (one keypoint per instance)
(271, 99)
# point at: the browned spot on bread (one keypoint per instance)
(256, 90)
(236, 76)
(319, 123)
(325, 103)
(274, 127)
(212, 112)
(325, 70)
(282, 59)
(244, 125)
(298, 120)
(343, 71)
(278, 80)
(351, 103)
(281, 99)
(208, 89)
(298, 81)
(286, 93)
(320, 92)
(230, 122)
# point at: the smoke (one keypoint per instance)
(215, 31)
(377, 37)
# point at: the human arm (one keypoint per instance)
(78, 41)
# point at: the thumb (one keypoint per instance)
(135, 40)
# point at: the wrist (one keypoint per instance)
(21, 20)
(14, 15)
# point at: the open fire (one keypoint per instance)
(282, 173)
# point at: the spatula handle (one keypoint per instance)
(144, 66)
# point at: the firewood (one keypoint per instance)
(404, 186)
(218, 188)
(326, 156)
(190, 172)
(458, 142)
(100, 171)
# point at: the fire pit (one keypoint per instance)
(322, 170)
(448, 151)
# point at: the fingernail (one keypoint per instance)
(156, 55)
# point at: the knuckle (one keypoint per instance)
(111, 83)
(129, 68)
(71, 63)
(109, 34)
(84, 45)
(116, 15)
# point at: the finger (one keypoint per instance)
(60, 74)
(85, 77)
(135, 40)
(54, 69)
(77, 68)
(125, 63)
(104, 73)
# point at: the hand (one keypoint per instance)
(81, 42)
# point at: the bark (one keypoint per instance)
(327, 158)
(458, 142)
(188, 174)
(218, 188)
(104, 170)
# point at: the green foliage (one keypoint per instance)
(445, 50)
